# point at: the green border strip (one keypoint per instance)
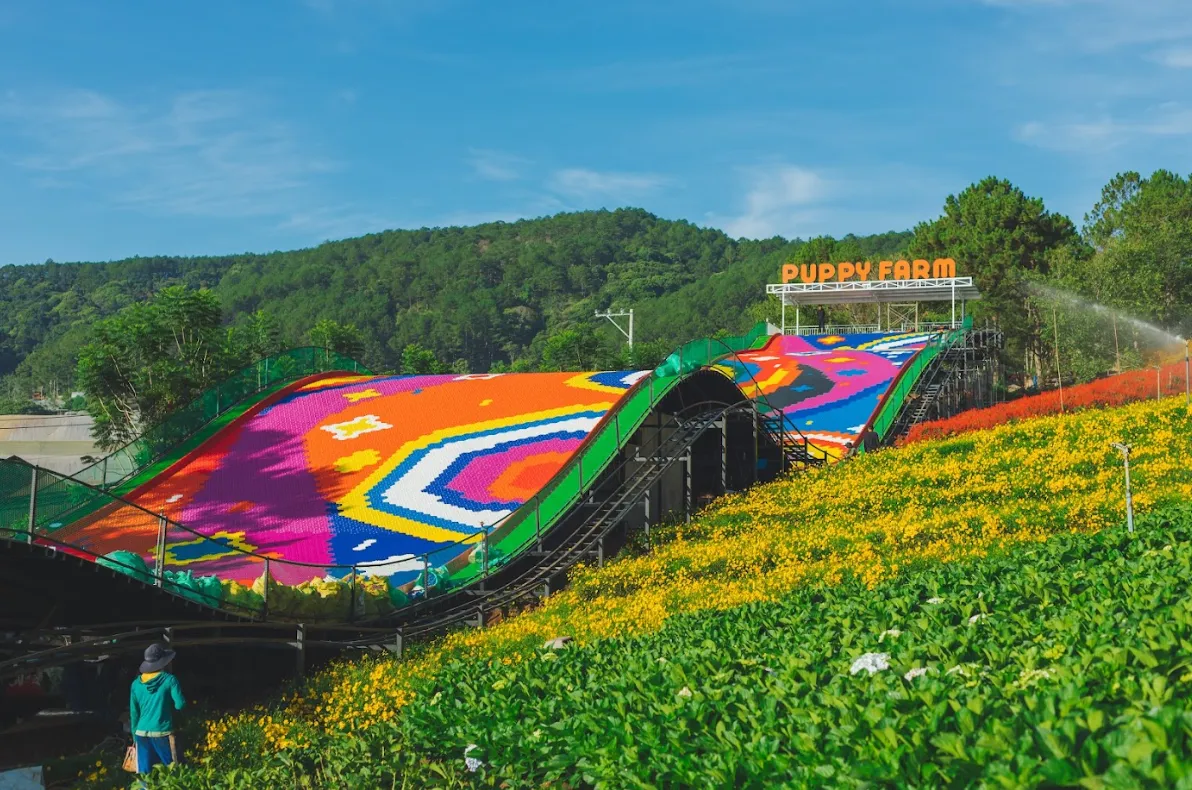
(897, 395)
(520, 530)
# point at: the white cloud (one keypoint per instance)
(1084, 136)
(1102, 25)
(777, 202)
(495, 165)
(797, 202)
(213, 154)
(1177, 58)
(592, 184)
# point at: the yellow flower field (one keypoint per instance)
(871, 517)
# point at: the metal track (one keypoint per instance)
(132, 638)
(796, 449)
(584, 539)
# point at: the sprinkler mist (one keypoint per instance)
(1156, 333)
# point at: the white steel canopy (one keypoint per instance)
(936, 289)
(933, 289)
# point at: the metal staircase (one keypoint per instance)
(924, 403)
(558, 551)
(960, 377)
(797, 451)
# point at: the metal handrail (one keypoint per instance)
(131, 641)
(535, 503)
(527, 583)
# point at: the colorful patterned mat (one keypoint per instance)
(827, 386)
(380, 469)
(364, 470)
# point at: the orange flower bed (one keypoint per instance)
(1128, 387)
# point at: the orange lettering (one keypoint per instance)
(883, 269)
(863, 269)
(804, 275)
(845, 271)
(944, 267)
(902, 270)
(922, 269)
(789, 272)
(826, 272)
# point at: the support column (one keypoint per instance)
(687, 484)
(32, 506)
(300, 652)
(755, 458)
(646, 503)
(724, 454)
(783, 314)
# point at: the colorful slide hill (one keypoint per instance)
(376, 472)
(829, 387)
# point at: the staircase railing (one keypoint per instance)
(37, 508)
(666, 449)
(904, 384)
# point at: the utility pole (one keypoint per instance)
(612, 317)
(1188, 372)
(1059, 377)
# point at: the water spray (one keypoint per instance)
(1057, 295)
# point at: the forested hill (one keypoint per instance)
(485, 294)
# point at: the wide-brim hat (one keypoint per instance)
(157, 657)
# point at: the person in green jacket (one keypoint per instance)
(156, 694)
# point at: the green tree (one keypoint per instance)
(1142, 229)
(417, 360)
(999, 235)
(343, 339)
(572, 349)
(151, 358)
(258, 336)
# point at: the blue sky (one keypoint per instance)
(149, 128)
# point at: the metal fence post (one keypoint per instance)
(485, 547)
(352, 597)
(425, 574)
(537, 523)
(32, 505)
(265, 593)
(397, 643)
(580, 463)
(159, 564)
(300, 657)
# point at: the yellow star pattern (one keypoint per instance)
(360, 395)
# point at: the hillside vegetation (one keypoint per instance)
(783, 588)
(481, 294)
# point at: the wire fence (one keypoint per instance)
(65, 513)
(156, 442)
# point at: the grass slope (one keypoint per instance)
(850, 537)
